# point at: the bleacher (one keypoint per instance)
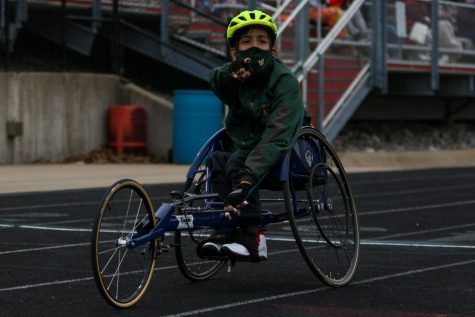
(184, 39)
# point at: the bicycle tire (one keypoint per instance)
(123, 274)
(190, 264)
(328, 244)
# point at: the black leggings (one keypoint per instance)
(226, 173)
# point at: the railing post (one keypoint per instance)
(116, 53)
(435, 79)
(5, 26)
(21, 13)
(379, 45)
(164, 21)
(2, 15)
(96, 15)
(321, 92)
(62, 35)
(303, 44)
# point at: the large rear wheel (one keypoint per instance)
(321, 210)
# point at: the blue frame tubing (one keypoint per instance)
(215, 218)
(309, 165)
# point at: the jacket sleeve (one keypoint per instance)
(223, 85)
(285, 119)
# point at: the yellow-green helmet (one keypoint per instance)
(250, 18)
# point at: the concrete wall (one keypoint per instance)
(66, 114)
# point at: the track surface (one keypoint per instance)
(417, 258)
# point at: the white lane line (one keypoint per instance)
(375, 241)
(457, 237)
(54, 228)
(366, 213)
(316, 290)
(414, 191)
(51, 205)
(355, 183)
(65, 221)
(69, 204)
(78, 280)
(426, 179)
(398, 235)
(404, 209)
(70, 281)
(46, 248)
(416, 244)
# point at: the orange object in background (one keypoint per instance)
(329, 16)
(128, 129)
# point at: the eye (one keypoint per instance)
(263, 40)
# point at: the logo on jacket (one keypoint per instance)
(309, 158)
(265, 109)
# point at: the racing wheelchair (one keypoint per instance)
(307, 190)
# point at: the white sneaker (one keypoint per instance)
(210, 249)
(262, 246)
(235, 249)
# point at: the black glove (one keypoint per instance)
(238, 195)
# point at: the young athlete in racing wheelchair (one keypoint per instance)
(265, 113)
(216, 220)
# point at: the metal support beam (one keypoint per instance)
(2, 14)
(96, 15)
(164, 21)
(62, 35)
(303, 43)
(21, 13)
(379, 70)
(321, 91)
(4, 28)
(435, 75)
(116, 48)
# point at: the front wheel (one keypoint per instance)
(190, 264)
(123, 274)
(321, 210)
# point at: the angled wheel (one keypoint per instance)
(186, 241)
(321, 210)
(123, 274)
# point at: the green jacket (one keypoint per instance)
(264, 115)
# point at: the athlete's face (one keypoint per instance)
(253, 38)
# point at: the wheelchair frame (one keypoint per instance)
(147, 235)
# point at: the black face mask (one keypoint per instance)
(261, 60)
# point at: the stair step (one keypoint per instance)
(330, 87)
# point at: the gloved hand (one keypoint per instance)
(239, 193)
(240, 68)
(239, 63)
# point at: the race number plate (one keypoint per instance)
(184, 222)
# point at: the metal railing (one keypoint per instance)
(308, 57)
(317, 64)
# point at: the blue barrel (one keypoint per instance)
(197, 115)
